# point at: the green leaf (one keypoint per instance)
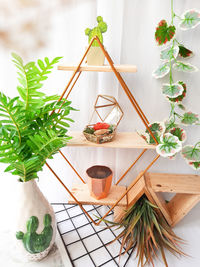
(164, 33)
(169, 53)
(191, 153)
(161, 71)
(170, 145)
(179, 132)
(190, 19)
(172, 90)
(157, 128)
(185, 67)
(190, 118)
(195, 165)
(185, 52)
(179, 98)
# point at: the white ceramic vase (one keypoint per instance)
(31, 202)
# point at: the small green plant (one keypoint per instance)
(34, 242)
(146, 231)
(30, 131)
(97, 31)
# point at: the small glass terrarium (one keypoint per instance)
(106, 117)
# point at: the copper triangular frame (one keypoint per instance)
(136, 106)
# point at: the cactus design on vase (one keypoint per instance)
(95, 56)
(34, 242)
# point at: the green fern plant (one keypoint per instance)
(30, 132)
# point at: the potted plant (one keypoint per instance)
(145, 231)
(95, 55)
(30, 133)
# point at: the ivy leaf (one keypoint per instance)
(179, 132)
(195, 165)
(164, 33)
(144, 135)
(172, 90)
(191, 153)
(157, 128)
(169, 53)
(190, 19)
(190, 118)
(181, 106)
(179, 98)
(161, 71)
(170, 145)
(185, 52)
(185, 67)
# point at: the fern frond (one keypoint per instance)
(46, 143)
(12, 115)
(31, 77)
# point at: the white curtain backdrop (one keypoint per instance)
(129, 40)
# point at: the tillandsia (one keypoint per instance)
(172, 58)
(145, 231)
(97, 31)
(30, 131)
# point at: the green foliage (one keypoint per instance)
(97, 31)
(145, 230)
(33, 128)
(190, 19)
(185, 52)
(31, 77)
(169, 145)
(164, 33)
(32, 241)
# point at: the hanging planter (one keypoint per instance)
(108, 111)
(99, 181)
(95, 56)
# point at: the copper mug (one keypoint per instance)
(99, 181)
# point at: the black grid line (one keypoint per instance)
(67, 207)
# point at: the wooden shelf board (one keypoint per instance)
(82, 194)
(121, 140)
(175, 183)
(104, 68)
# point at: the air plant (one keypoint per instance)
(145, 230)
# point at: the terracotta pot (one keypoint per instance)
(99, 181)
(95, 56)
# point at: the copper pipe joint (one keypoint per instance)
(99, 181)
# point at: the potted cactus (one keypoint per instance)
(30, 133)
(95, 55)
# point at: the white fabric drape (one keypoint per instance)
(129, 40)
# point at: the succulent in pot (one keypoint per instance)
(30, 133)
(95, 55)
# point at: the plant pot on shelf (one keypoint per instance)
(35, 227)
(95, 56)
(99, 181)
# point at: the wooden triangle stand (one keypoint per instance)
(144, 183)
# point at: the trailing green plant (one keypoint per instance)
(172, 59)
(30, 131)
(145, 230)
(97, 31)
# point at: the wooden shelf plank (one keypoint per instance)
(82, 194)
(104, 68)
(121, 140)
(175, 183)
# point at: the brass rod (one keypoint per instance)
(75, 199)
(73, 84)
(131, 166)
(103, 106)
(135, 181)
(77, 69)
(72, 167)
